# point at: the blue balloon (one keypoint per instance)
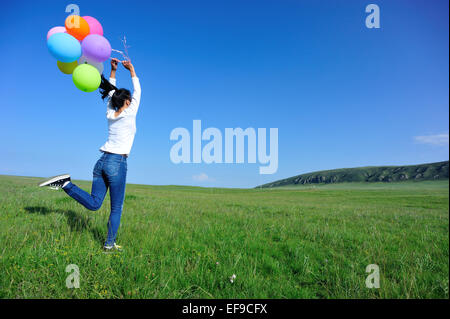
(64, 47)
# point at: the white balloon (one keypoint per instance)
(97, 65)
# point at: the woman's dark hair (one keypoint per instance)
(118, 98)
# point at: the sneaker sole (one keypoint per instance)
(54, 179)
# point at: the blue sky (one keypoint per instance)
(341, 95)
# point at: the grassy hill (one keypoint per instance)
(423, 172)
(186, 242)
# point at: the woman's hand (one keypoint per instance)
(127, 65)
(114, 63)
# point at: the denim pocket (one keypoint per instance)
(111, 168)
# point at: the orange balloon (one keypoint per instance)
(77, 27)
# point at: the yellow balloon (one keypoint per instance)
(67, 68)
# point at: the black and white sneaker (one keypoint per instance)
(56, 182)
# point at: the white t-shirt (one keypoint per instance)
(121, 129)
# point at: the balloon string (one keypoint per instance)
(120, 52)
(125, 46)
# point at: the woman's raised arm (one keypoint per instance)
(129, 67)
(136, 98)
(114, 63)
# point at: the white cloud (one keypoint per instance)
(438, 139)
(202, 177)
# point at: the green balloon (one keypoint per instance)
(86, 78)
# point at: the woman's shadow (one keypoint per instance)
(75, 221)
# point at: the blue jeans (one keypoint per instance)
(110, 171)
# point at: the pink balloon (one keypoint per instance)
(54, 30)
(94, 26)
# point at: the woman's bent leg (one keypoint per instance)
(94, 200)
(117, 182)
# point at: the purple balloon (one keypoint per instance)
(96, 47)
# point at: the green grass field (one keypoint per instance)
(186, 242)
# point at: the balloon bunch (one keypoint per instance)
(80, 49)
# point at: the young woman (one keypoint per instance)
(110, 171)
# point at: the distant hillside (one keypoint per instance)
(432, 171)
